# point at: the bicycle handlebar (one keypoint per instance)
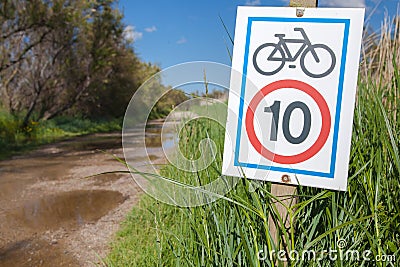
(299, 30)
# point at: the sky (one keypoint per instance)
(170, 32)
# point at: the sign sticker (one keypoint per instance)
(290, 113)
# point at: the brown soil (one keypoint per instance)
(53, 214)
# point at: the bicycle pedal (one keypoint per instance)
(292, 66)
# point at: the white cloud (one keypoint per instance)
(151, 29)
(344, 3)
(253, 2)
(182, 40)
(131, 34)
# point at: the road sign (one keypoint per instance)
(290, 112)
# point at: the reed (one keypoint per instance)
(234, 231)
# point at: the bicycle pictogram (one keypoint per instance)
(281, 54)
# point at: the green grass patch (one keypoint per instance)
(227, 234)
(232, 231)
(14, 139)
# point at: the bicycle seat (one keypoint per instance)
(279, 35)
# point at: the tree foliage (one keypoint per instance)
(66, 57)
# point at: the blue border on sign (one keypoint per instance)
(331, 173)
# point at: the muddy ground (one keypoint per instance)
(53, 214)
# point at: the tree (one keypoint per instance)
(66, 56)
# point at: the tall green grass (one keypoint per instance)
(235, 231)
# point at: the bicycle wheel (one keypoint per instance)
(319, 69)
(268, 54)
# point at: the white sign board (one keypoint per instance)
(291, 107)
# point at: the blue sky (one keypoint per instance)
(176, 31)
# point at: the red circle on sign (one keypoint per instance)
(323, 135)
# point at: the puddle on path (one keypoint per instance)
(35, 252)
(66, 209)
(28, 212)
(93, 142)
(153, 134)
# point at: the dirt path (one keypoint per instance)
(51, 215)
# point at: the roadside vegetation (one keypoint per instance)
(233, 231)
(15, 140)
(66, 68)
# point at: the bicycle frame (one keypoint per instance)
(283, 43)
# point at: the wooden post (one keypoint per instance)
(280, 190)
